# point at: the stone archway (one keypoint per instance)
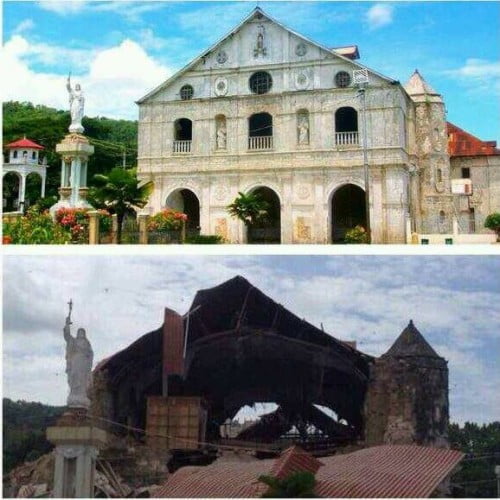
(348, 209)
(267, 231)
(11, 191)
(185, 201)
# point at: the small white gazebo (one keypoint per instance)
(24, 159)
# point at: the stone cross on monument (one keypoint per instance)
(76, 437)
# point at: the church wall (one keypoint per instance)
(485, 198)
(305, 196)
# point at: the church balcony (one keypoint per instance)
(346, 138)
(182, 147)
(260, 143)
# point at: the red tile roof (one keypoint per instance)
(380, 471)
(24, 143)
(461, 143)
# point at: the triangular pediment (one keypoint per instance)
(259, 41)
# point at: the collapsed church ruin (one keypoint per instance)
(236, 346)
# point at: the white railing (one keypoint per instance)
(346, 138)
(182, 146)
(264, 142)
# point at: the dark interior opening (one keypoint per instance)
(183, 130)
(348, 211)
(346, 120)
(260, 125)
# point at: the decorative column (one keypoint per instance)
(77, 441)
(22, 192)
(75, 150)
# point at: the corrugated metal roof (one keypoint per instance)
(461, 143)
(380, 471)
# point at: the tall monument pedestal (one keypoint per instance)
(75, 150)
(77, 442)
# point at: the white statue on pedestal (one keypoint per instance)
(79, 358)
(76, 103)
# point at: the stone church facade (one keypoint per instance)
(269, 112)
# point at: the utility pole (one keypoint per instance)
(124, 160)
(361, 78)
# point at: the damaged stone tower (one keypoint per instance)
(407, 397)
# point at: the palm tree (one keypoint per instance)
(121, 193)
(249, 208)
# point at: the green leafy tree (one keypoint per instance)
(121, 193)
(296, 485)
(249, 208)
(48, 126)
(476, 477)
(24, 426)
(493, 222)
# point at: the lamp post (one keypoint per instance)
(360, 77)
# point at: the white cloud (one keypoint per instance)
(63, 7)
(379, 15)
(131, 11)
(26, 25)
(112, 78)
(479, 75)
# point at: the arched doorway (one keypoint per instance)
(185, 201)
(268, 230)
(348, 210)
(33, 189)
(11, 191)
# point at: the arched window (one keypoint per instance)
(346, 126)
(260, 131)
(186, 92)
(442, 216)
(33, 155)
(261, 82)
(439, 175)
(183, 135)
(14, 154)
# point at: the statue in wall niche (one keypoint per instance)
(76, 103)
(221, 135)
(303, 129)
(259, 47)
(79, 359)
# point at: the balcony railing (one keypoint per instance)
(260, 143)
(346, 138)
(182, 146)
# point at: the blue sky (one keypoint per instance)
(120, 49)
(453, 300)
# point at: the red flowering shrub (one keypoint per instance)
(76, 220)
(167, 220)
(6, 240)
